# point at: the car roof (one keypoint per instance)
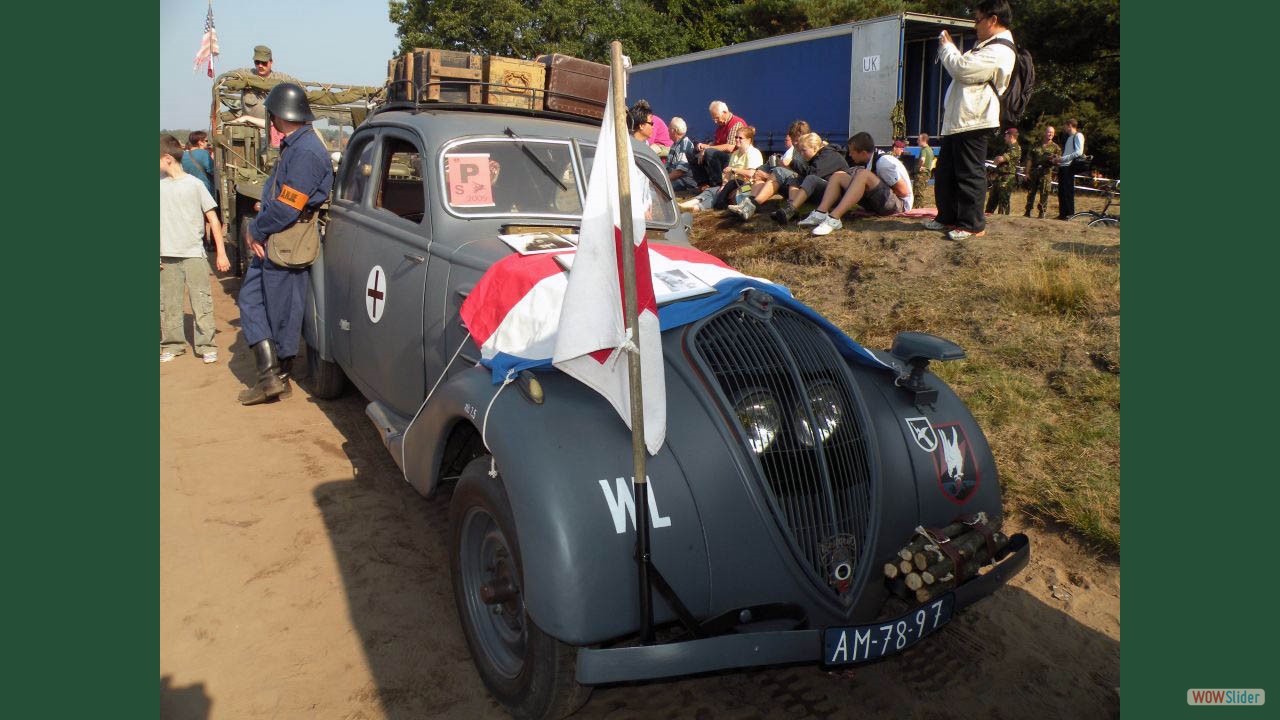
(441, 122)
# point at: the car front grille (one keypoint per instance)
(820, 489)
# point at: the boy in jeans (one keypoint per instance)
(185, 205)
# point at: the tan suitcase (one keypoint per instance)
(513, 82)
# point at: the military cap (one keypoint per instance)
(262, 53)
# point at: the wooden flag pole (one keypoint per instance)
(627, 249)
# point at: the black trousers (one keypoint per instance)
(1066, 191)
(960, 180)
(711, 170)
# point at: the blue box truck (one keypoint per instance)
(841, 79)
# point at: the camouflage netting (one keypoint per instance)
(327, 99)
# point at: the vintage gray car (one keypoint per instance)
(790, 475)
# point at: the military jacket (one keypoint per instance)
(1043, 158)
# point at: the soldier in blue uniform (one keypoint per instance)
(272, 298)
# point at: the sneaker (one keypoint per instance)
(783, 215)
(210, 357)
(691, 204)
(934, 225)
(959, 234)
(167, 356)
(813, 219)
(744, 210)
(827, 226)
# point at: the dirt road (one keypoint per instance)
(301, 577)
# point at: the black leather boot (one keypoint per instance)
(784, 215)
(268, 385)
(286, 369)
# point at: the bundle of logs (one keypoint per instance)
(926, 567)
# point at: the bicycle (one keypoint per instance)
(1104, 218)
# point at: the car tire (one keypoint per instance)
(529, 672)
(325, 379)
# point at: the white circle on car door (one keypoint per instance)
(375, 294)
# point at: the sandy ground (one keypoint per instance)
(301, 577)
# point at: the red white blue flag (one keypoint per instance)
(208, 43)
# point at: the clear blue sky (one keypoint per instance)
(341, 41)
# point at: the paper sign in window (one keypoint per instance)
(470, 180)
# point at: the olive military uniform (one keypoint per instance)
(1006, 178)
(924, 170)
(1042, 162)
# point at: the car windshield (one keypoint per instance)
(497, 177)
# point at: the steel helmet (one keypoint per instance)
(288, 101)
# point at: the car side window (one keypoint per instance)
(400, 189)
(358, 172)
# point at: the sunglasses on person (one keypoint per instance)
(261, 62)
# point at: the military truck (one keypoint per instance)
(798, 466)
(242, 157)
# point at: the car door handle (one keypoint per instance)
(415, 258)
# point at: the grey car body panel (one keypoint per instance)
(715, 538)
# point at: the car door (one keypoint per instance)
(341, 235)
(387, 276)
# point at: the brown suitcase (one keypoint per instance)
(513, 82)
(576, 86)
(438, 66)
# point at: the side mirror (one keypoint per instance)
(916, 350)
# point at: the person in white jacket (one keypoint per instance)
(971, 112)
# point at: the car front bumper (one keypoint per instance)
(740, 650)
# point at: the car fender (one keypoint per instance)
(566, 466)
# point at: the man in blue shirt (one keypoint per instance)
(1071, 163)
(196, 160)
(271, 297)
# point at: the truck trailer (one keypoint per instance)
(841, 79)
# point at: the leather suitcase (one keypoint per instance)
(576, 86)
(435, 66)
(521, 82)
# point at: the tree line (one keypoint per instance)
(1076, 43)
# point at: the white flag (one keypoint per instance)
(592, 325)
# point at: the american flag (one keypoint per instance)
(208, 43)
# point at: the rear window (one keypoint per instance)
(503, 177)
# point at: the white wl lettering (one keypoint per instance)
(623, 502)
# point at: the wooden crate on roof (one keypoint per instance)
(433, 69)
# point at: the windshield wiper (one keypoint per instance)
(537, 161)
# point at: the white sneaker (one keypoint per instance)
(934, 225)
(827, 226)
(744, 210)
(210, 357)
(692, 204)
(959, 234)
(813, 219)
(167, 356)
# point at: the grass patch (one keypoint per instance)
(1035, 304)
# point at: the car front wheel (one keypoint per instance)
(528, 671)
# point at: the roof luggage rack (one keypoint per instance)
(412, 103)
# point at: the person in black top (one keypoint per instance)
(823, 162)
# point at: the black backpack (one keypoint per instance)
(1021, 82)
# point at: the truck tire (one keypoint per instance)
(243, 253)
(529, 672)
(325, 379)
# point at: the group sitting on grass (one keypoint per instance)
(862, 176)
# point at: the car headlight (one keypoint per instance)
(827, 408)
(758, 414)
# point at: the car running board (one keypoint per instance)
(390, 428)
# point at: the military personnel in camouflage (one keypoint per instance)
(924, 170)
(1042, 163)
(1006, 174)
